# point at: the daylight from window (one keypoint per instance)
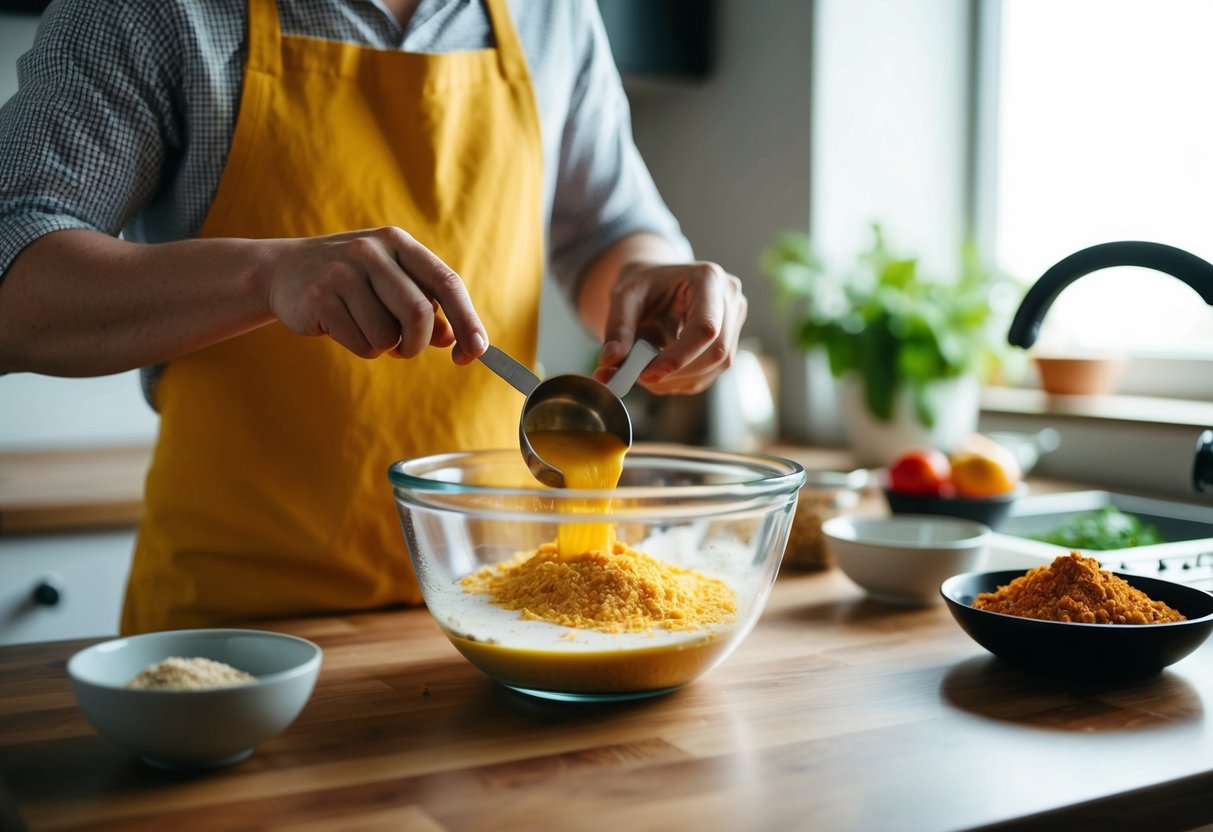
(1105, 133)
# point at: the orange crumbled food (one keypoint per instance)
(1074, 588)
(615, 592)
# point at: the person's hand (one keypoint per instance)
(692, 311)
(373, 291)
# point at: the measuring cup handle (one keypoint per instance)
(519, 377)
(641, 356)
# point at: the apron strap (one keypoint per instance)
(264, 37)
(509, 48)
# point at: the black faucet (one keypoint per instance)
(1189, 268)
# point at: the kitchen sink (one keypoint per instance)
(1186, 557)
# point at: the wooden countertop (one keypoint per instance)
(837, 713)
(71, 488)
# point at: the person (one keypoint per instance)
(265, 205)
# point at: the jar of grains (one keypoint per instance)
(825, 494)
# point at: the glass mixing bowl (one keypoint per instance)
(722, 515)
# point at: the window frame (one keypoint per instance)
(1172, 374)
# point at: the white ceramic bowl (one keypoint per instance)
(903, 559)
(197, 728)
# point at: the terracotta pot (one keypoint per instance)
(1079, 376)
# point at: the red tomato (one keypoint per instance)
(921, 471)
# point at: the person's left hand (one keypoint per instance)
(693, 312)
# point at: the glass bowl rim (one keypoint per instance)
(787, 475)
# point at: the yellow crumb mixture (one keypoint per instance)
(614, 592)
(1074, 588)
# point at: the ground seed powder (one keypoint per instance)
(1074, 588)
(175, 673)
(617, 591)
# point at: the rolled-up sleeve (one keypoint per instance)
(604, 191)
(83, 141)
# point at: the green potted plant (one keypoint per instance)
(909, 349)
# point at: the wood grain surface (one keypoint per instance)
(837, 713)
(71, 488)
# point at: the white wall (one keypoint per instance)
(889, 138)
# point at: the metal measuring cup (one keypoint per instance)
(570, 402)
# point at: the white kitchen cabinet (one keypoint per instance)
(82, 578)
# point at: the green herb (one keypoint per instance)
(1102, 530)
(891, 324)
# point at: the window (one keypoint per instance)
(1102, 132)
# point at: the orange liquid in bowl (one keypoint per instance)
(620, 671)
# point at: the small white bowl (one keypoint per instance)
(195, 729)
(903, 559)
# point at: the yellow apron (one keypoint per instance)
(267, 494)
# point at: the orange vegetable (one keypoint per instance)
(983, 468)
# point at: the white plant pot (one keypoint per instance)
(875, 443)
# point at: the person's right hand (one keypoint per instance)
(373, 291)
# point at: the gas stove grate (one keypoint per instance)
(1192, 569)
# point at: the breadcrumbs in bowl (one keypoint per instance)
(194, 673)
(1072, 620)
(1075, 588)
(619, 591)
(201, 699)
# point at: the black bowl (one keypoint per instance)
(992, 511)
(1082, 652)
